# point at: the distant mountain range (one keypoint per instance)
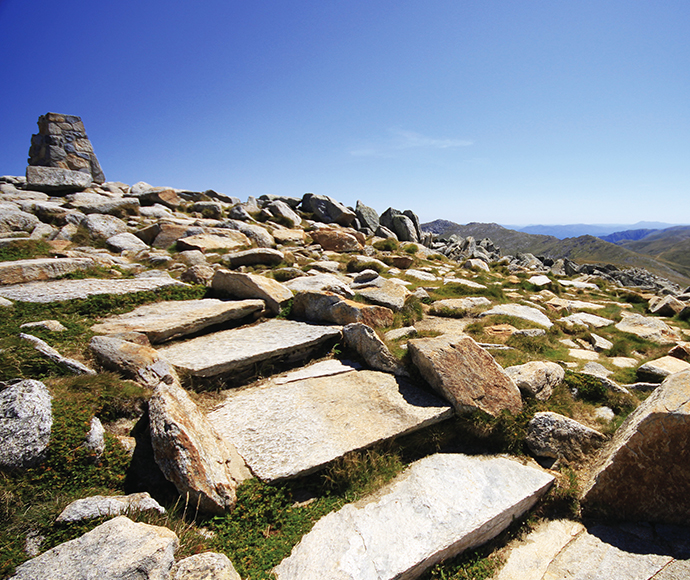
(598, 230)
(665, 252)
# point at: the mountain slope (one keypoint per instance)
(582, 249)
(671, 246)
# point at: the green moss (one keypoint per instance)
(25, 249)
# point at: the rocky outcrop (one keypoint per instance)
(336, 240)
(647, 327)
(465, 374)
(657, 370)
(119, 549)
(191, 454)
(21, 271)
(640, 475)
(431, 512)
(205, 566)
(26, 420)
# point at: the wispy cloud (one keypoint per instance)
(400, 140)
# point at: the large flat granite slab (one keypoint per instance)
(238, 348)
(59, 290)
(291, 429)
(163, 321)
(440, 506)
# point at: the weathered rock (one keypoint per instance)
(158, 195)
(21, 271)
(599, 343)
(125, 242)
(238, 349)
(253, 257)
(324, 368)
(327, 210)
(208, 209)
(15, 220)
(56, 179)
(140, 363)
(630, 551)
(389, 294)
(72, 365)
(641, 474)
(646, 327)
(657, 370)
(95, 438)
(119, 549)
(404, 228)
(240, 285)
(539, 280)
(362, 339)
(536, 378)
(320, 283)
(95, 203)
(103, 227)
(57, 290)
(465, 374)
(163, 234)
(476, 264)
(191, 453)
(26, 419)
(259, 235)
(571, 305)
(336, 240)
(288, 236)
(52, 325)
(530, 558)
(398, 333)
(330, 307)
(553, 435)
(368, 217)
(114, 505)
(585, 319)
(219, 240)
(282, 210)
(520, 311)
(290, 430)
(458, 306)
(205, 566)
(667, 306)
(437, 508)
(163, 321)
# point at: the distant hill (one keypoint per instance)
(599, 230)
(627, 235)
(581, 249)
(670, 246)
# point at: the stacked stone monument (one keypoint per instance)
(61, 157)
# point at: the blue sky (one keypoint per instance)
(494, 111)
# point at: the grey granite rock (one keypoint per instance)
(98, 506)
(119, 549)
(237, 349)
(553, 435)
(56, 180)
(537, 378)
(372, 349)
(520, 311)
(22, 271)
(439, 507)
(162, 321)
(204, 566)
(240, 285)
(26, 419)
(70, 364)
(292, 429)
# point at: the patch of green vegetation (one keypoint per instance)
(355, 265)
(387, 245)
(286, 310)
(410, 313)
(592, 390)
(25, 249)
(411, 249)
(268, 521)
(455, 290)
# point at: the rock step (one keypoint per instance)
(290, 429)
(439, 507)
(238, 349)
(59, 290)
(164, 321)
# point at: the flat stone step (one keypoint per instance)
(163, 321)
(291, 429)
(23, 271)
(439, 507)
(237, 349)
(59, 290)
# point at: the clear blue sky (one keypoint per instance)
(508, 111)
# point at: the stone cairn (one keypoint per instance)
(62, 145)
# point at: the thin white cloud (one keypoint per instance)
(400, 139)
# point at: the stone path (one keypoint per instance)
(439, 507)
(239, 348)
(292, 429)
